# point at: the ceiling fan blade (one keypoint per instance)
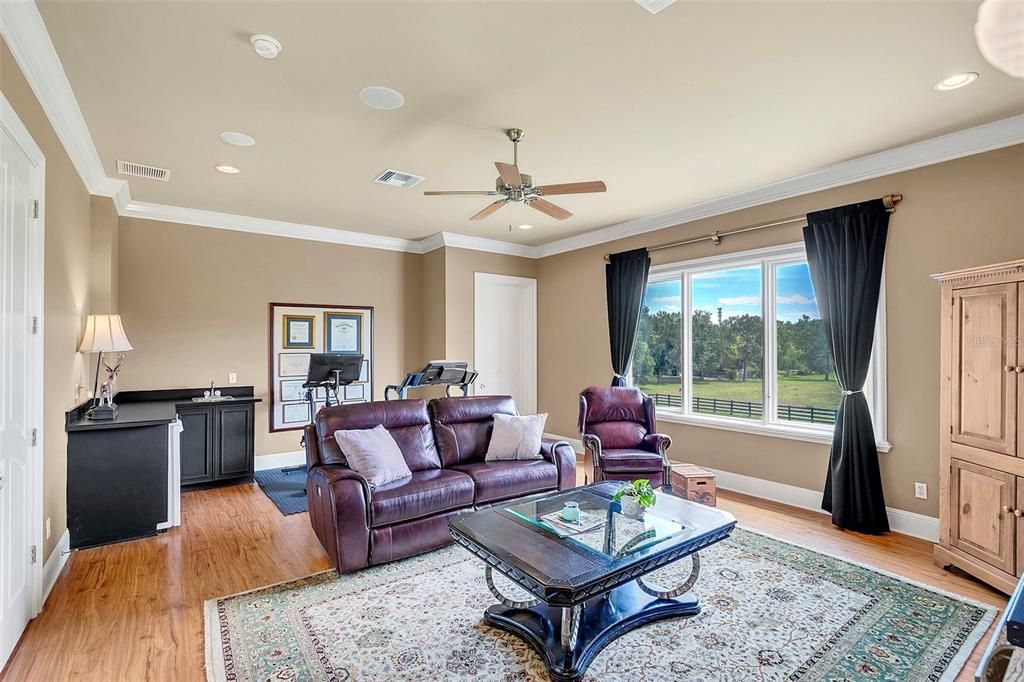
(509, 174)
(489, 209)
(483, 193)
(552, 210)
(573, 188)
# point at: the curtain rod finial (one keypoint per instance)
(890, 201)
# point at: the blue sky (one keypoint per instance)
(738, 291)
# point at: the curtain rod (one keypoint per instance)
(889, 201)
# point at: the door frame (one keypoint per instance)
(529, 283)
(12, 125)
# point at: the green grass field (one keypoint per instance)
(793, 390)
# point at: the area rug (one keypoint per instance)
(285, 487)
(771, 611)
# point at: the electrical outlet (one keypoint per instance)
(921, 490)
(47, 527)
(232, 378)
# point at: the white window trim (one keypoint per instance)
(769, 259)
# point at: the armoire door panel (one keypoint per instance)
(984, 357)
(1019, 523)
(981, 513)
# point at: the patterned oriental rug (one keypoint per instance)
(771, 611)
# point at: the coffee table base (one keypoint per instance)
(599, 621)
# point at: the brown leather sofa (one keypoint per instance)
(444, 443)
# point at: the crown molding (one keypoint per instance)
(983, 138)
(275, 228)
(24, 32)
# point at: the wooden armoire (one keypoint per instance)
(981, 472)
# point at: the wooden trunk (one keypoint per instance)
(981, 437)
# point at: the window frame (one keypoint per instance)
(769, 259)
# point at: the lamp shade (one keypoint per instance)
(104, 334)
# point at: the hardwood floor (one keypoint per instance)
(134, 611)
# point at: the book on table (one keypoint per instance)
(588, 521)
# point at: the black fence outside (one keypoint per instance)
(748, 409)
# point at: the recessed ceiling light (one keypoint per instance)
(525, 227)
(956, 81)
(230, 170)
(380, 97)
(266, 46)
(238, 139)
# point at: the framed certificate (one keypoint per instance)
(295, 413)
(355, 392)
(292, 390)
(297, 331)
(293, 364)
(343, 333)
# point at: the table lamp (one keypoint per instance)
(104, 334)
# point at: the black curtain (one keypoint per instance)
(626, 279)
(845, 252)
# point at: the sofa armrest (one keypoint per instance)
(339, 511)
(658, 442)
(561, 454)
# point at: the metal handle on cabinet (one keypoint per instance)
(1018, 513)
(1006, 510)
(1010, 368)
(1019, 369)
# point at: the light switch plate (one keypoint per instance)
(921, 490)
(232, 378)
(47, 527)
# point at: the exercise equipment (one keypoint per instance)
(445, 373)
(330, 371)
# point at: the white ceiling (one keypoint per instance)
(702, 100)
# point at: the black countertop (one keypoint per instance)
(152, 408)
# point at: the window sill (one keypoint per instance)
(820, 436)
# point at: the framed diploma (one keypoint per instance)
(292, 390)
(293, 364)
(295, 331)
(298, 331)
(343, 332)
(296, 413)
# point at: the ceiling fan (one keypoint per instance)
(513, 186)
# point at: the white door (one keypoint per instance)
(505, 338)
(20, 381)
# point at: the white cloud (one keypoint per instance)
(740, 300)
(796, 298)
(665, 299)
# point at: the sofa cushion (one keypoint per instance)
(516, 437)
(502, 480)
(373, 454)
(463, 425)
(406, 420)
(631, 460)
(616, 404)
(426, 492)
(618, 435)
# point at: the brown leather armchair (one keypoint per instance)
(618, 428)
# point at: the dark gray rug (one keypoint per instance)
(286, 488)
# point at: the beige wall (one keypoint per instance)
(954, 215)
(432, 294)
(194, 304)
(66, 290)
(103, 256)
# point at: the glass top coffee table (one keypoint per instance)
(587, 578)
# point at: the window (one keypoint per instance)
(706, 355)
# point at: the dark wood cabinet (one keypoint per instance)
(218, 442)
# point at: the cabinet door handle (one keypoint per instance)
(1018, 513)
(1006, 510)
(1010, 368)
(1019, 369)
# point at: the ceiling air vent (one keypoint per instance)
(401, 179)
(654, 6)
(141, 171)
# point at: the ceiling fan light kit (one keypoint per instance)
(517, 187)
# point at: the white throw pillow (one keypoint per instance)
(516, 437)
(374, 454)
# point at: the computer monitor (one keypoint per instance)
(338, 369)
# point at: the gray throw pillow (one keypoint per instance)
(516, 437)
(374, 454)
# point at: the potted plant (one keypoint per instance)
(635, 497)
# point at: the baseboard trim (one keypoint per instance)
(900, 521)
(279, 460)
(54, 565)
